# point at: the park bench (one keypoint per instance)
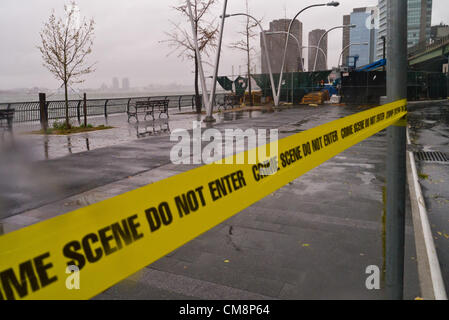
(148, 108)
(6, 119)
(229, 101)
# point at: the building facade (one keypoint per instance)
(419, 19)
(115, 84)
(438, 32)
(125, 83)
(345, 43)
(314, 37)
(276, 42)
(364, 32)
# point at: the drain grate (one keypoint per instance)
(435, 157)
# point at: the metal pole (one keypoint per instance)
(291, 35)
(85, 110)
(198, 55)
(317, 48)
(267, 55)
(322, 37)
(347, 47)
(43, 113)
(332, 3)
(396, 153)
(209, 117)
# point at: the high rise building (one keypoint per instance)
(346, 35)
(115, 84)
(383, 25)
(125, 84)
(419, 19)
(364, 32)
(314, 38)
(275, 44)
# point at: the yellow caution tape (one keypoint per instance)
(115, 238)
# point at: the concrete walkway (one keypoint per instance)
(312, 239)
(430, 132)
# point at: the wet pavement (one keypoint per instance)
(429, 132)
(45, 147)
(311, 239)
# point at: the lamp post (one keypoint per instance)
(295, 38)
(299, 45)
(267, 55)
(208, 103)
(347, 47)
(209, 117)
(330, 4)
(396, 151)
(384, 51)
(324, 34)
(317, 48)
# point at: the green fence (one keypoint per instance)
(294, 84)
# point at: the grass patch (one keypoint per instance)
(423, 176)
(61, 128)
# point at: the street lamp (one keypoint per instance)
(294, 37)
(347, 47)
(208, 103)
(324, 34)
(317, 48)
(299, 45)
(267, 55)
(329, 4)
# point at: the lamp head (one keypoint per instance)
(333, 4)
(226, 16)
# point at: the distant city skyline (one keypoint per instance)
(275, 44)
(130, 44)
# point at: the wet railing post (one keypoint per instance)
(85, 110)
(106, 109)
(396, 152)
(43, 112)
(78, 111)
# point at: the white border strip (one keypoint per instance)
(434, 265)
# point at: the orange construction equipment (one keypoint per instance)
(315, 97)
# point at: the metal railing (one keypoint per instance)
(30, 111)
(424, 46)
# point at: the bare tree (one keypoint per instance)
(66, 43)
(182, 41)
(244, 45)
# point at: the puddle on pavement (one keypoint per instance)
(237, 115)
(45, 147)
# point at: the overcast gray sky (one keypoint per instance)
(128, 35)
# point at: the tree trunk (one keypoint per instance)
(251, 102)
(66, 105)
(198, 101)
